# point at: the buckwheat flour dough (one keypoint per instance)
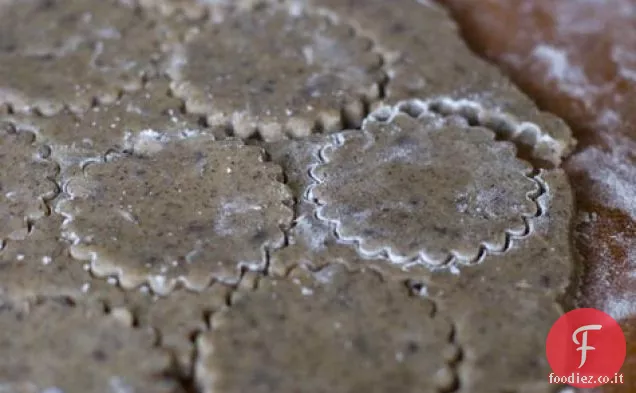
(421, 188)
(57, 347)
(331, 331)
(67, 53)
(314, 245)
(426, 57)
(147, 114)
(277, 70)
(194, 211)
(40, 266)
(177, 318)
(311, 241)
(594, 92)
(502, 349)
(296, 156)
(503, 346)
(26, 181)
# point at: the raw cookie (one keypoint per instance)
(420, 188)
(277, 70)
(26, 181)
(195, 211)
(67, 53)
(426, 57)
(40, 265)
(57, 347)
(137, 116)
(331, 331)
(312, 242)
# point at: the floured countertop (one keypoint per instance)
(272, 196)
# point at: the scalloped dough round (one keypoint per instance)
(194, 211)
(427, 189)
(66, 53)
(276, 70)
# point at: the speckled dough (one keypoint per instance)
(277, 70)
(502, 350)
(310, 241)
(194, 211)
(67, 53)
(177, 318)
(503, 309)
(40, 266)
(426, 57)
(26, 181)
(147, 114)
(56, 347)
(330, 332)
(419, 188)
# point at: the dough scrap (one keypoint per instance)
(329, 331)
(277, 70)
(79, 50)
(195, 211)
(50, 343)
(26, 181)
(418, 187)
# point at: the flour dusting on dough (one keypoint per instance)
(228, 223)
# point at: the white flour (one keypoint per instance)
(613, 172)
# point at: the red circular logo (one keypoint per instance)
(586, 348)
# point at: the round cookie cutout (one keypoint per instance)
(57, 347)
(417, 187)
(334, 331)
(56, 54)
(278, 70)
(194, 211)
(26, 181)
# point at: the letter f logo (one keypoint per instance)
(584, 347)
